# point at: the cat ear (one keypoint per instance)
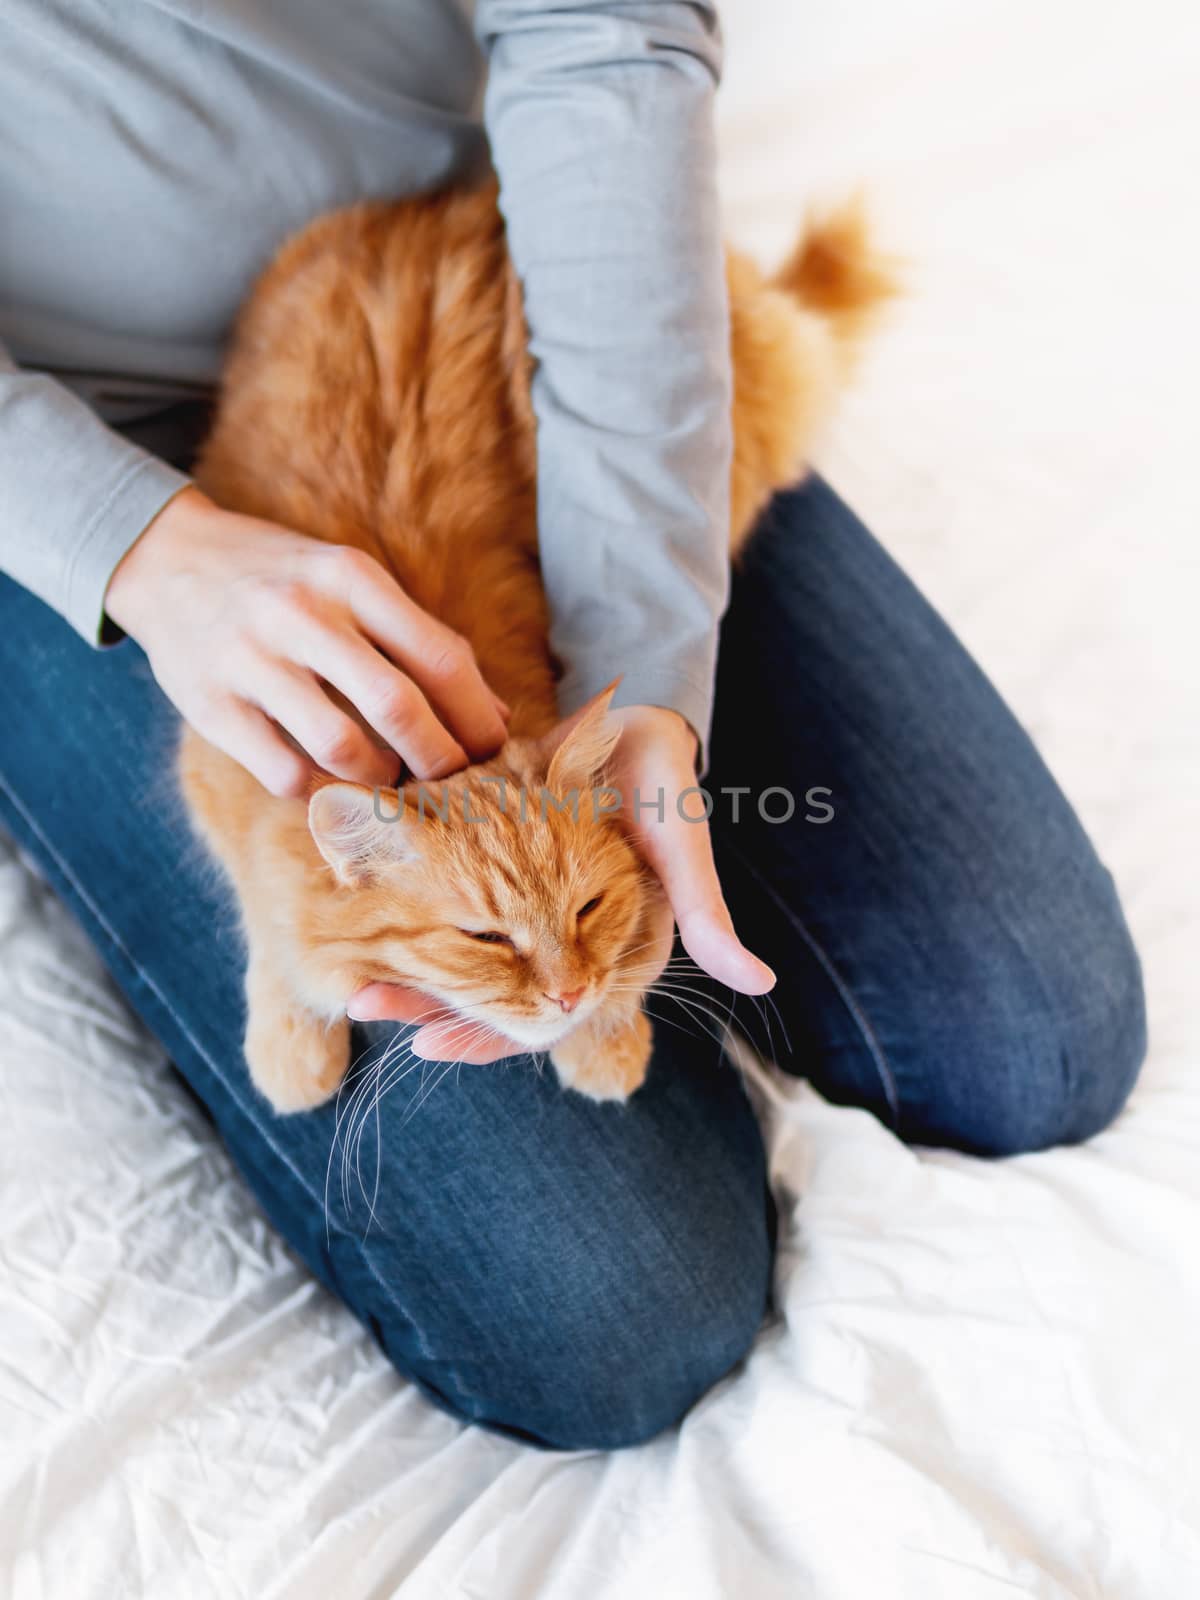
(580, 745)
(360, 830)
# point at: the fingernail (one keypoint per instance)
(761, 968)
(446, 768)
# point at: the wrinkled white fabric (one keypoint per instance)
(983, 1378)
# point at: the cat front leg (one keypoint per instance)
(296, 1054)
(296, 1059)
(606, 1057)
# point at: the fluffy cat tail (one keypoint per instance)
(837, 272)
(796, 337)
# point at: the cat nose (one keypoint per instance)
(568, 1000)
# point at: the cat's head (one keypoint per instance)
(508, 892)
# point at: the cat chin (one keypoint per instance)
(542, 1036)
(530, 1035)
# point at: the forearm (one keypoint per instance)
(600, 118)
(74, 495)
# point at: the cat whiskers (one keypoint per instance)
(395, 1063)
(370, 1079)
(711, 1021)
(697, 1003)
(683, 965)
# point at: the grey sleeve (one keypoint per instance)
(600, 117)
(74, 495)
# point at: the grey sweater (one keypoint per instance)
(153, 155)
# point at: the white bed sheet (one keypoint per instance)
(984, 1376)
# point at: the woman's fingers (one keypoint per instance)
(337, 744)
(438, 660)
(445, 1036)
(250, 738)
(387, 699)
(393, 1002)
(656, 759)
(681, 854)
(456, 1040)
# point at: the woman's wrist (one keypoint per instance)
(129, 598)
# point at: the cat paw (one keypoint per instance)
(605, 1065)
(296, 1060)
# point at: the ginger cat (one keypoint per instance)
(377, 396)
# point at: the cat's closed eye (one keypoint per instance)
(486, 937)
(590, 906)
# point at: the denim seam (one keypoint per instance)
(235, 1099)
(845, 994)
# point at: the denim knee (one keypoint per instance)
(602, 1354)
(1040, 1051)
(600, 1389)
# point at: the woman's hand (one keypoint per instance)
(248, 626)
(657, 754)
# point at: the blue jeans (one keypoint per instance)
(951, 953)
